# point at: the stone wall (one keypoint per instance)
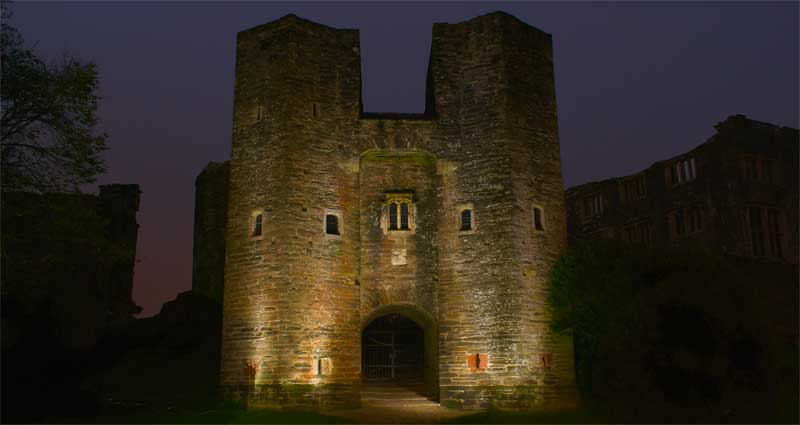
(296, 298)
(68, 260)
(210, 221)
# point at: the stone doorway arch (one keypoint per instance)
(407, 317)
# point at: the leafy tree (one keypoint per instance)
(48, 130)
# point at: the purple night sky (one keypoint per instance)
(636, 82)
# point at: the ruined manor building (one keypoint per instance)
(381, 246)
(735, 194)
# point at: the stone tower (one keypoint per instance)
(340, 222)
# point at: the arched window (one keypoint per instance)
(404, 216)
(258, 221)
(466, 219)
(331, 224)
(401, 213)
(392, 216)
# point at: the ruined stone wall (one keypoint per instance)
(722, 192)
(210, 224)
(69, 260)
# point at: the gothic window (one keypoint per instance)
(466, 219)
(393, 216)
(538, 218)
(331, 224)
(400, 212)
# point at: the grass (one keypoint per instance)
(227, 414)
(496, 416)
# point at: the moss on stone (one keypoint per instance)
(416, 156)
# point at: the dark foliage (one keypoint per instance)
(48, 129)
(679, 335)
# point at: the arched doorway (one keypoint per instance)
(400, 348)
(393, 348)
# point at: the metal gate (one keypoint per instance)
(392, 349)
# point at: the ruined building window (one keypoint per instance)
(756, 168)
(538, 218)
(400, 212)
(681, 171)
(593, 205)
(756, 231)
(641, 232)
(685, 221)
(331, 224)
(260, 113)
(466, 219)
(680, 223)
(257, 223)
(775, 233)
(632, 188)
(694, 220)
(765, 231)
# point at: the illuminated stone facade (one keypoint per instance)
(736, 194)
(336, 217)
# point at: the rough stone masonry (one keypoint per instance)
(336, 217)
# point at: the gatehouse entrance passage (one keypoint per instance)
(393, 348)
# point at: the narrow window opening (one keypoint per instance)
(260, 113)
(319, 366)
(757, 231)
(538, 219)
(680, 224)
(314, 107)
(466, 220)
(477, 361)
(331, 224)
(768, 171)
(259, 219)
(775, 233)
(404, 216)
(393, 216)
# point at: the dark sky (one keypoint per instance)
(636, 82)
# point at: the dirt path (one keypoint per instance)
(413, 414)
